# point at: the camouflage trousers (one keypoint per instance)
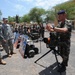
(7, 46)
(64, 51)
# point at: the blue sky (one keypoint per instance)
(22, 7)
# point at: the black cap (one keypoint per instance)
(61, 12)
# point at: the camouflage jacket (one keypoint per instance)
(7, 32)
(1, 35)
(65, 36)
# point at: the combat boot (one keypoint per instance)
(8, 55)
(62, 68)
(12, 53)
(2, 62)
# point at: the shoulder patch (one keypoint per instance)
(68, 22)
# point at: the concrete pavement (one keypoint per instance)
(16, 65)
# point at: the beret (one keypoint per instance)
(61, 12)
(5, 19)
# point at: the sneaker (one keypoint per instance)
(62, 69)
(2, 62)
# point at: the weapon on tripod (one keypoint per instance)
(55, 52)
(53, 42)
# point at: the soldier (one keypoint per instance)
(8, 36)
(64, 30)
(42, 30)
(1, 40)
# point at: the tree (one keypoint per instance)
(11, 19)
(69, 6)
(50, 15)
(20, 19)
(26, 18)
(0, 14)
(35, 14)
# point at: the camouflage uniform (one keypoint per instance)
(1, 36)
(7, 34)
(65, 41)
(4, 44)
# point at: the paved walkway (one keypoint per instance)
(73, 31)
(16, 65)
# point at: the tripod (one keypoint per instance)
(55, 52)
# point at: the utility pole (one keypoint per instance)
(17, 19)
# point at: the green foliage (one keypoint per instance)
(39, 14)
(26, 18)
(35, 14)
(69, 6)
(0, 13)
(11, 19)
(50, 15)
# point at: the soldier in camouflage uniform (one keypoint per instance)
(1, 40)
(64, 31)
(8, 36)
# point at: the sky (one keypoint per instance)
(22, 7)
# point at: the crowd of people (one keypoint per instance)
(25, 29)
(9, 35)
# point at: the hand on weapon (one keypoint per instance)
(49, 27)
(4, 41)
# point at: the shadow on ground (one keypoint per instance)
(51, 70)
(5, 56)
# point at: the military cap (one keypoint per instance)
(5, 19)
(61, 12)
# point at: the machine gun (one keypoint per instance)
(53, 42)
